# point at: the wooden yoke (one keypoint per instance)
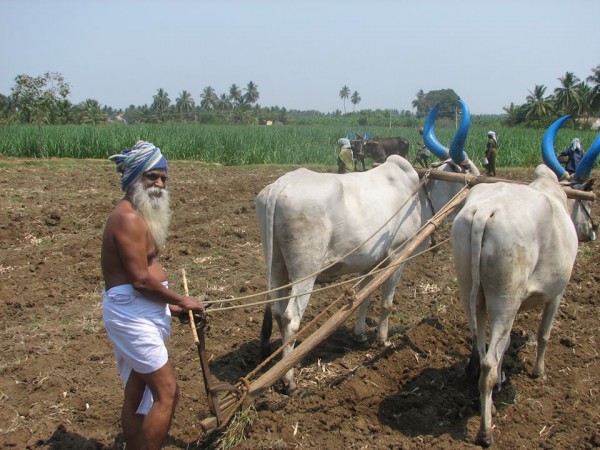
(472, 180)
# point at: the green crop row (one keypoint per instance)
(241, 145)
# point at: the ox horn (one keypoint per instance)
(548, 153)
(458, 143)
(429, 138)
(584, 168)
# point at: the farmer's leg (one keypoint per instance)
(155, 425)
(492, 164)
(130, 421)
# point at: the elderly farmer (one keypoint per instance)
(137, 303)
(345, 157)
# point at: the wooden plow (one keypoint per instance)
(245, 391)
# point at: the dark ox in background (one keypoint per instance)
(378, 149)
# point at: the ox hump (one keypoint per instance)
(545, 181)
(400, 162)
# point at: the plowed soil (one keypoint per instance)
(59, 387)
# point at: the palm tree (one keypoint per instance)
(419, 104)
(355, 99)
(224, 103)
(585, 92)
(235, 94)
(251, 96)
(91, 112)
(344, 94)
(567, 97)
(209, 98)
(594, 97)
(161, 101)
(539, 106)
(184, 103)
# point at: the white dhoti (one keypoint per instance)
(139, 329)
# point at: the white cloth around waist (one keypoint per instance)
(139, 329)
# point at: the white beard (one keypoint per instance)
(153, 204)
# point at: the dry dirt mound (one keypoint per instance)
(59, 387)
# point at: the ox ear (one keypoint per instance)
(587, 185)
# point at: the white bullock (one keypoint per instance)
(310, 222)
(514, 249)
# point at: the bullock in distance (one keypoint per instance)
(378, 148)
(508, 261)
(319, 226)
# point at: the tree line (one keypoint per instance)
(579, 98)
(45, 100)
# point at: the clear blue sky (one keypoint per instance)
(300, 53)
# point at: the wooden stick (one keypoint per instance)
(472, 180)
(190, 312)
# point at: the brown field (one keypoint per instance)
(59, 387)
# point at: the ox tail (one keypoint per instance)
(480, 219)
(270, 204)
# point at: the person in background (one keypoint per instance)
(345, 159)
(137, 303)
(572, 155)
(491, 152)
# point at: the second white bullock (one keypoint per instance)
(514, 249)
(311, 222)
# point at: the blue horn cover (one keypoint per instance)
(586, 164)
(429, 138)
(548, 152)
(458, 143)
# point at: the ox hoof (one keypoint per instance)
(290, 389)
(540, 375)
(360, 338)
(285, 388)
(485, 438)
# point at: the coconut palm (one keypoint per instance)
(355, 99)
(539, 106)
(209, 98)
(251, 96)
(224, 102)
(91, 112)
(161, 101)
(344, 94)
(235, 94)
(594, 96)
(184, 103)
(585, 92)
(419, 103)
(567, 98)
